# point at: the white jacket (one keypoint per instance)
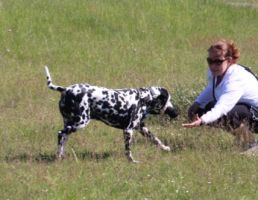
(237, 86)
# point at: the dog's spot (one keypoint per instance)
(98, 110)
(81, 109)
(106, 105)
(118, 105)
(76, 119)
(99, 102)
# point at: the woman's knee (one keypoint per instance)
(238, 115)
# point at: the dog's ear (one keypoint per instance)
(160, 96)
(164, 93)
(155, 92)
(159, 92)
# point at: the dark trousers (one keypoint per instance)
(239, 114)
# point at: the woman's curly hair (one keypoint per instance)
(227, 48)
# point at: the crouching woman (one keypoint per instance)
(231, 95)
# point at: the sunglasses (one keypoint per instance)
(216, 61)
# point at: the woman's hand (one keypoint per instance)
(197, 122)
(192, 111)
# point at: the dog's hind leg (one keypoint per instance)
(62, 139)
(69, 127)
(155, 140)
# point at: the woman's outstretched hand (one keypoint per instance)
(195, 123)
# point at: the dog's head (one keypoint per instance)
(160, 102)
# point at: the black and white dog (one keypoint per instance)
(120, 108)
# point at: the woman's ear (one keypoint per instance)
(230, 59)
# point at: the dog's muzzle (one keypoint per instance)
(171, 112)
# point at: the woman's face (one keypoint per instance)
(218, 63)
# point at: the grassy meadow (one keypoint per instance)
(118, 44)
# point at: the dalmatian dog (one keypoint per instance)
(120, 108)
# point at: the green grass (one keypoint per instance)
(117, 44)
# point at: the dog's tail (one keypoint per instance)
(50, 84)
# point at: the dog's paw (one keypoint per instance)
(166, 148)
(135, 161)
(130, 159)
(59, 156)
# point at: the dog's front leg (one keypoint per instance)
(155, 140)
(128, 137)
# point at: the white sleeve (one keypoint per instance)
(229, 98)
(206, 95)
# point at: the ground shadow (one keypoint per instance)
(87, 155)
(25, 157)
(50, 158)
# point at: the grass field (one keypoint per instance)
(117, 44)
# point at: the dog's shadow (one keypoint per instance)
(26, 157)
(87, 155)
(51, 157)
